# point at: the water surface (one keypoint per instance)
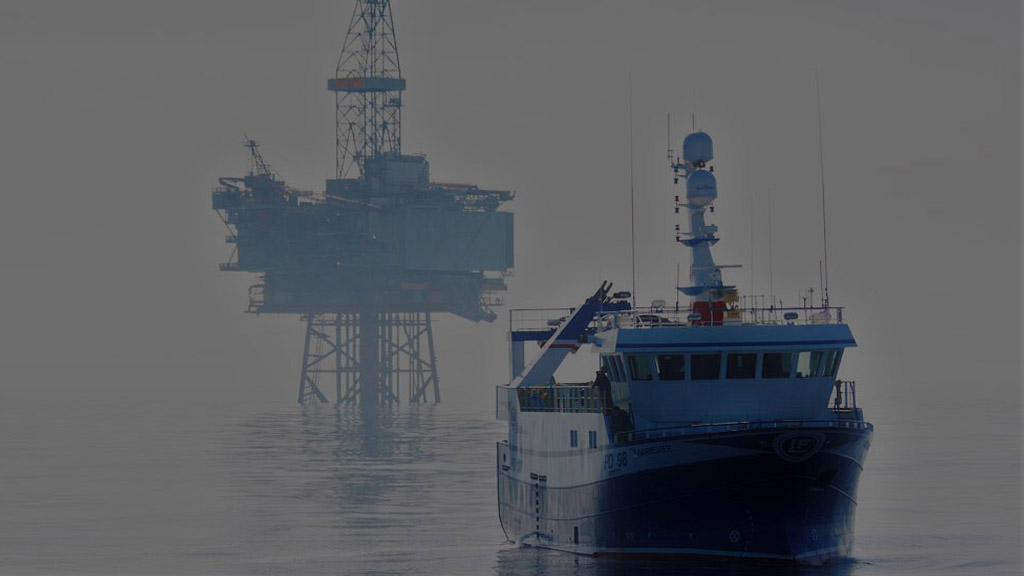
(106, 486)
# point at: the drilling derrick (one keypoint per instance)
(366, 262)
(367, 88)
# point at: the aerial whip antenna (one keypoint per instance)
(752, 223)
(632, 219)
(668, 136)
(821, 162)
(771, 261)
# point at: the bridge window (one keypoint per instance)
(640, 367)
(672, 367)
(592, 436)
(777, 365)
(831, 364)
(620, 368)
(574, 438)
(807, 364)
(609, 365)
(826, 362)
(740, 365)
(705, 366)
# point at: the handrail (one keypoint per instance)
(844, 396)
(560, 398)
(749, 316)
(547, 319)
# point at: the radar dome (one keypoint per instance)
(701, 188)
(697, 148)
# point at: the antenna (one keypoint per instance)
(668, 136)
(821, 283)
(821, 161)
(752, 201)
(693, 113)
(632, 219)
(677, 284)
(771, 263)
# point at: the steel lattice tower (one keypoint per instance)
(368, 261)
(368, 88)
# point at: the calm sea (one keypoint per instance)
(106, 483)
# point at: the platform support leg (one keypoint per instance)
(309, 391)
(372, 356)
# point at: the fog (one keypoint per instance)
(118, 117)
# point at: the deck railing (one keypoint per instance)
(654, 317)
(560, 398)
(540, 320)
(844, 396)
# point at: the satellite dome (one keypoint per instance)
(701, 187)
(697, 148)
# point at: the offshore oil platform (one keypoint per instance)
(368, 261)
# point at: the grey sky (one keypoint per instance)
(119, 116)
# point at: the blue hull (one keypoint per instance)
(757, 505)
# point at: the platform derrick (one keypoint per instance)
(368, 261)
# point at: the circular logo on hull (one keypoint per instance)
(798, 446)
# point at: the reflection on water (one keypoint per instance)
(402, 491)
(406, 491)
(104, 485)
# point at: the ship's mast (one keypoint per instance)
(706, 289)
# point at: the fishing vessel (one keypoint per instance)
(715, 428)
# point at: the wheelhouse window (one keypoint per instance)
(705, 366)
(640, 367)
(672, 367)
(777, 365)
(835, 365)
(620, 370)
(807, 364)
(831, 363)
(740, 366)
(613, 370)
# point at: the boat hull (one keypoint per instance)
(787, 495)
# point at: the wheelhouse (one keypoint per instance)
(681, 375)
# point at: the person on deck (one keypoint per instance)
(604, 388)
